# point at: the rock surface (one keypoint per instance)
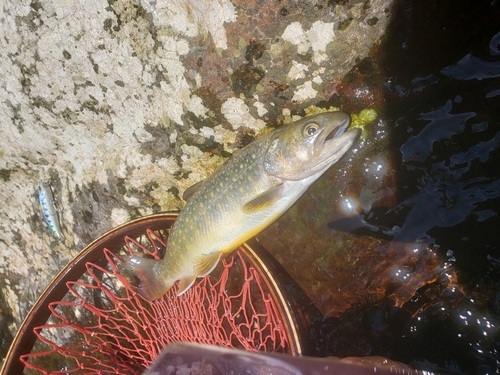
(121, 105)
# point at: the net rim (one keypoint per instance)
(39, 314)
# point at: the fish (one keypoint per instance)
(243, 197)
(46, 199)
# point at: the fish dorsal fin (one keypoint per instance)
(264, 200)
(205, 263)
(185, 284)
(188, 193)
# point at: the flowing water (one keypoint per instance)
(440, 63)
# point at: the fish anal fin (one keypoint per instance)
(189, 192)
(206, 263)
(151, 286)
(264, 200)
(185, 284)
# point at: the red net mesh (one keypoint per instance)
(103, 326)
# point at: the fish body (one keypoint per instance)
(46, 200)
(243, 197)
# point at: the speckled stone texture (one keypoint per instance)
(121, 105)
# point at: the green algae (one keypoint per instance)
(362, 119)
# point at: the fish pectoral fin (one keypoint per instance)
(188, 193)
(185, 284)
(206, 263)
(264, 200)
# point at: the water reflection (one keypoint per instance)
(444, 201)
(472, 67)
(450, 185)
(442, 125)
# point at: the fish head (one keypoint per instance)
(309, 146)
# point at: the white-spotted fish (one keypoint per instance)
(49, 209)
(243, 197)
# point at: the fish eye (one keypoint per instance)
(311, 129)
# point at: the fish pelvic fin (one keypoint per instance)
(151, 286)
(203, 265)
(264, 200)
(206, 263)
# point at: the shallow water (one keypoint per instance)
(443, 98)
(432, 182)
(442, 103)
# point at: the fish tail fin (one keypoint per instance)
(151, 284)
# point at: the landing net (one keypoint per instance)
(104, 326)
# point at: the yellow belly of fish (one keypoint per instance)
(252, 232)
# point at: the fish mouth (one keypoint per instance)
(334, 141)
(332, 132)
(338, 130)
